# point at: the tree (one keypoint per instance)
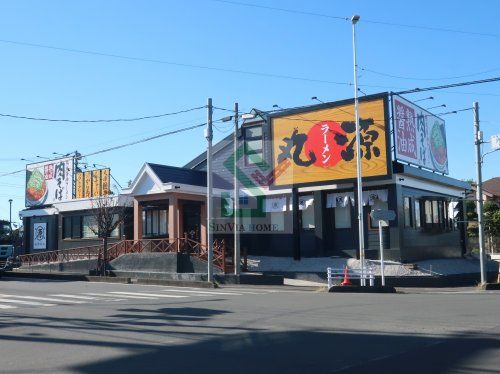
(491, 222)
(108, 213)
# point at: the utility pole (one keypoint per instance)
(359, 185)
(236, 196)
(479, 191)
(210, 241)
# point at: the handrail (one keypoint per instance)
(114, 250)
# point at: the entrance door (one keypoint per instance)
(191, 221)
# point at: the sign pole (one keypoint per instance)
(382, 272)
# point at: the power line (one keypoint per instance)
(127, 144)
(100, 120)
(427, 79)
(283, 9)
(186, 65)
(343, 18)
(433, 88)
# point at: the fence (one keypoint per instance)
(222, 258)
(352, 274)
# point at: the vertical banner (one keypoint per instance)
(419, 136)
(88, 184)
(96, 183)
(40, 235)
(105, 175)
(79, 185)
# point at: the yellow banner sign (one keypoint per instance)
(105, 181)
(88, 184)
(79, 185)
(320, 145)
(96, 183)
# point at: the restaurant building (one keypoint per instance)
(295, 176)
(295, 173)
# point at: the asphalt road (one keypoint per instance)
(80, 327)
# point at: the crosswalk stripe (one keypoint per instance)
(247, 290)
(75, 296)
(23, 302)
(42, 299)
(7, 306)
(146, 294)
(208, 293)
(121, 297)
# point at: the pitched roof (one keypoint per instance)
(174, 174)
(492, 186)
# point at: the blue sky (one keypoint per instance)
(43, 82)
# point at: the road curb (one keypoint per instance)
(180, 283)
(360, 289)
(490, 287)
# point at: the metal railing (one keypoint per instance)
(115, 250)
(333, 273)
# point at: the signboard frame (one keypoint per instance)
(37, 165)
(332, 105)
(401, 158)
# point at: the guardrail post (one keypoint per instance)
(371, 276)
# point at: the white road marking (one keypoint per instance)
(146, 294)
(121, 297)
(75, 296)
(208, 293)
(42, 299)
(7, 306)
(23, 302)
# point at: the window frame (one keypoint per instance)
(248, 154)
(149, 232)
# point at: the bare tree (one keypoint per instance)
(108, 213)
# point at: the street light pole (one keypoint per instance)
(10, 214)
(361, 239)
(236, 206)
(210, 242)
(479, 191)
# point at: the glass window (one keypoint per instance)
(417, 214)
(144, 227)
(89, 227)
(155, 222)
(343, 217)
(278, 219)
(253, 132)
(378, 204)
(407, 210)
(435, 212)
(307, 215)
(155, 228)
(76, 227)
(428, 211)
(66, 227)
(253, 145)
(163, 222)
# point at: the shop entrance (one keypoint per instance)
(191, 220)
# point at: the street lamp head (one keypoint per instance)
(227, 118)
(248, 116)
(355, 19)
